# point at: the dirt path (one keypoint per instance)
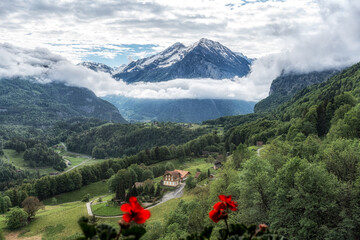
(88, 158)
(179, 192)
(258, 151)
(72, 168)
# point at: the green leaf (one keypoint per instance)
(206, 233)
(223, 233)
(135, 232)
(106, 232)
(237, 229)
(88, 230)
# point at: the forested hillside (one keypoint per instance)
(27, 102)
(117, 140)
(314, 110)
(304, 183)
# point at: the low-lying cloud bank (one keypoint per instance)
(336, 45)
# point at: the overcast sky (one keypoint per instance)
(114, 30)
(301, 35)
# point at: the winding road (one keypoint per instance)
(178, 192)
(88, 158)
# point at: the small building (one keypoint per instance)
(197, 174)
(174, 178)
(259, 143)
(217, 165)
(183, 174)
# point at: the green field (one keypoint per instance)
(105, 209)
(17, 159)
(158, 212)
(75, 160)
(102, 209)
(54, 222)
(94, 189)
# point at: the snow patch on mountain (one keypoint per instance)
(97, 67)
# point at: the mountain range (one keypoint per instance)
(203, 59)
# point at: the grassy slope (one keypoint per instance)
(103, 210)
(94, 189)
(17, 159)
(55, 222)
(60, 221)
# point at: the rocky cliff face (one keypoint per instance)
(285, 86)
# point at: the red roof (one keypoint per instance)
(177, 173)
(182, 173)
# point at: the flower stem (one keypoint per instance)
(227, 225)
(118, 235)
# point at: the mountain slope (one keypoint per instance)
(287, 85)
(24, 101)
(204, 59)
(329, 108)
(178, 110)
(97, 67)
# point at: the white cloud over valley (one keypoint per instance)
(302, 35)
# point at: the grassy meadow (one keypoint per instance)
(17, 159)
(94, 189)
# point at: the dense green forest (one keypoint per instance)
(117, 140)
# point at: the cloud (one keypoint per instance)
(47, 67)
(74, 28)
(302, 36)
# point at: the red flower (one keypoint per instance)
(227, 200)
(263, 227)
(219, 212)
(134, 211)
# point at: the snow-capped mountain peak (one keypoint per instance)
(203, 59)
(163, 59)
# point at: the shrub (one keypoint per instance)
(86, 198)
(16, 218)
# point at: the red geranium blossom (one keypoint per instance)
(232, 205)
(219, 212)
(134, 211)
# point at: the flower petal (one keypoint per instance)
(126, 207)
(214, 216)
(142, 216)
(219, 206)
(127, 217)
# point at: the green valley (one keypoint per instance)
(303, 181)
